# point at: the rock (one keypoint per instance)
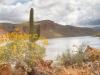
(5, 69)
(91, 54)
(19, 71)
(44, 67)
(46, 63)
(33, 72)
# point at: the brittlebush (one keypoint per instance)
(20, 49)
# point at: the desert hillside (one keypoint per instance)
(50, 29)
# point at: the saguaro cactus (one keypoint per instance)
(38, 30)
(31, 23)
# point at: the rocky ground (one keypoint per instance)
(89, 66)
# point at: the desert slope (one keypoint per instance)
(51, 29)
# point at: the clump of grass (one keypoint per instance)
(69, 57)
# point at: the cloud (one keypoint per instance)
(89, 14)
(7, 1)
(70, 12)
(15, 13)
(43, 4)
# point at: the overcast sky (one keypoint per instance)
(66, 12)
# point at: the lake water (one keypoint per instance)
(58, 45)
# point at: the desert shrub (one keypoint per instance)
(65, 58)
(69, 57)
(20, 49)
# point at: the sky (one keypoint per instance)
(65, 12)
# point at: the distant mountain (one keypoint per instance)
(49, 29)
(97, 28)
(8, 27)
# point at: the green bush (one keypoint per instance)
(20, 49)
(69, 57)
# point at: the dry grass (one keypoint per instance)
(91, 68)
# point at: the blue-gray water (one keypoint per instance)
(58, 45)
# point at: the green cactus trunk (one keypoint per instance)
(31, 23)
(38, 30)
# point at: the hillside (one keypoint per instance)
(49, 29)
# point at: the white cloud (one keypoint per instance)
(7, 1)
(68, 12)
(43, 4)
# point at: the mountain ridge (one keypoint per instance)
(50, 29)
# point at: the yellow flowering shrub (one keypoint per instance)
(20, 49)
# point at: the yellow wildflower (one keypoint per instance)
(7, 35)
(2, 40)
(2, 52)
(35, 47)
(34, 60)
(15, 36)
(32, 45)
(45, 42)
(18, 43)
(14, 47)
(17, 29)
(14, 50)
(8, 40)
(2, 47)
(36, 35)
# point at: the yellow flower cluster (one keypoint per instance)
(36, 36)
(16, 35)
(44, 41)
(34, 45)
(1, 40)
(14, 48)
(2, 52)
(19, 47)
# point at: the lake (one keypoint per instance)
(58, 45)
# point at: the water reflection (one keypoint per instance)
(58, 45)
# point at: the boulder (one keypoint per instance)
(5, 69)
(91, 54)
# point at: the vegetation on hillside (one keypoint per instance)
(97, 35)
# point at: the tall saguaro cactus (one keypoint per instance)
(31, 23)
